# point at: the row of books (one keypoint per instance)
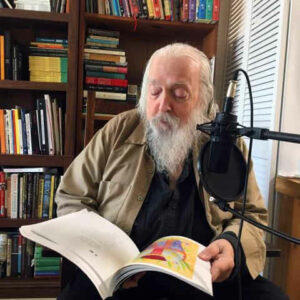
(13, 65)
(59, 6)
(48, 60)
(40, 131)
(28, 193)
(203, 11)
(19, 257)
(16, 254)
(105, 65)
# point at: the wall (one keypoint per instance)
(289, 154)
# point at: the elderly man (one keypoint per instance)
(140, 173)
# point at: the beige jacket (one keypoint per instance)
(112, 176)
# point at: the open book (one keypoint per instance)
(108, 256)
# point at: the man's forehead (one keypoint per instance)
(155, 82)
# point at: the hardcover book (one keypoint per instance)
(109, 257)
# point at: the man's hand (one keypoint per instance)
(221, 255)
(133, 280)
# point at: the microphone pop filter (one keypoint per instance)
(229, 185)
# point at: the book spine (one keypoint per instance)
(7, 55)
(202, 10)
(11, 132)
(40, 196)
(29, 210)
(108, 69)
(43, 125)
(24, 134)
(51, 199)
(2, 68)
(49, 125)
(50, 40)
(216, 11)
(8, 259)
(192, 10)
(104, 63)
(105, 75)
(107, 33)
(134, 8)
(162, 14)
(2, 194)
(2, 132)
(106, 81)
(156, 9)
(150, 9)
(28, 133)
(185, 11)
(104, 88)
(20, 134)
(14, 195)
(46, 196)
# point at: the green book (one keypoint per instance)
(105, 75)
(209, 9)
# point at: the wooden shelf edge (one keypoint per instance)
(35, 160)
(98, 18)
(16, 223)
(32, 85)
(34, 15)
(29, 282)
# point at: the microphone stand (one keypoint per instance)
(254, 133)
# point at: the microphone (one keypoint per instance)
(221, 164)
(222, 136)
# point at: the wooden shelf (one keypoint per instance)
(146, 26)
(31, 85)
(33, 15)
(16, 223)
(99, 116)
(35, 160)
(28, 288)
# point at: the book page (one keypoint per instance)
(95, 245)
(176, 256)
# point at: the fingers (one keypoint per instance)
(221, 268)
(210, 252)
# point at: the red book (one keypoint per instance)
(2, 195)
(134, 8)
(106, 81)
(184, 11)
(216, 11)
(156, 8)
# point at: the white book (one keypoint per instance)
(7, 142)
(10, 131)
(104, 51)
(108, 95)
(28, 132)
(38, 129)
(25, 170)
(108, 256)
(14, 195)
(49, 118)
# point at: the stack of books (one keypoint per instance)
(105, 65)
(48, 60)
(45, 266)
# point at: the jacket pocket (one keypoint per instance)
(111, 196)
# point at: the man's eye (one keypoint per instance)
(181, 94)
(155, 91)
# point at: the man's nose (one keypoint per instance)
(165, 102)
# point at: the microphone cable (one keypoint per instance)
(239, 250)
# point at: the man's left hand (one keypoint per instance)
(221, 255)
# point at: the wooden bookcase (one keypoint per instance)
(138, 44)
(24, 26)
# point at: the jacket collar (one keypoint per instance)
(138, 136)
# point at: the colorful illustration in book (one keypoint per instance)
(172, 253)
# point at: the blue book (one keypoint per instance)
(202, 9)
(51, 40)
(46, 197)
(102, 41)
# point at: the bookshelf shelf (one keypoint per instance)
(33, 16)
(30, 85)
(28, 287)
(146, 26)
(16, 223)
(35, 160)
(99, 117)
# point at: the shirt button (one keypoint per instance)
(140, 198)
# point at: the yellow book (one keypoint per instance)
(17, 131)
(150, 9)
(40, 196)
(2, 57)
(51, 200)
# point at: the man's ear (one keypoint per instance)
(212, 109)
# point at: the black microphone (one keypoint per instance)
(223, 135)
(221, 164)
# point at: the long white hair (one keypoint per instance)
(205, 82)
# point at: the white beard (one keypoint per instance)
(168, 142)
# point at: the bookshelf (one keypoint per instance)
(139, 39)
(24, 26)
